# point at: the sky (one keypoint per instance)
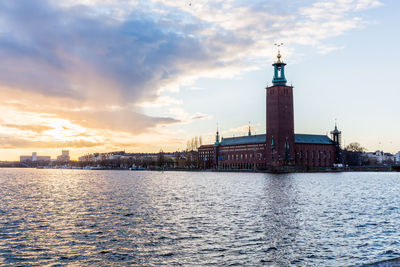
(140, 76)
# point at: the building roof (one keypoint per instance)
(261, 138)
(206, 146)
(243, 140)
(312, 139)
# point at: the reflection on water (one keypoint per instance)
(153, 218)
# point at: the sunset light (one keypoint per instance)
(125, 75)
(199, 133)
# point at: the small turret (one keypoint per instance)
(336, 135)
(249, 130)
(217, 138)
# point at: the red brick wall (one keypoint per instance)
(313, 155)
(242, 156)
(280, 124)
(246, 157)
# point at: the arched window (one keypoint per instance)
(287, 149)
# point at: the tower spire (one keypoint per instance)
(336, 134)
(217, 137)
(279, 69)
(337, 139)
(279, 52)
(249, 129)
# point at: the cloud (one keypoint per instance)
(325, 49)
(201, 116)
(98, 63)
(11, 142)
(78, 57)
(161, 101)
(366, 4)
(113, 118)
(32, 128)
(117, 120)
(83, 53)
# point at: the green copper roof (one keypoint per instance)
(256, 139)
(243, 140)
(312, 139)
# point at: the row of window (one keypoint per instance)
(320, 154)
(320, 158)
(206, 153)
(285, 92)
(235, 149)
(257, 156)
(241, 166)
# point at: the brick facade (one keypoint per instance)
(280, 125)
(311, 155)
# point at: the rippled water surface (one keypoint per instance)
(78, 217)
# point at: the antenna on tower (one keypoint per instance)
(278, 45)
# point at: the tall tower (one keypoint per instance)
(216, 149)
(280, 121)
(337, 139)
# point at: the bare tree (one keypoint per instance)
(192, 144)
(355, 147)
(352, 154)
(188, 145)
(160, 158)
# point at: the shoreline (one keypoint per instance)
(275, 170)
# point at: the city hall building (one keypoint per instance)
(280, 146)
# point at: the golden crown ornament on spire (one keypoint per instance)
(279, 53)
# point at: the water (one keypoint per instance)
(78, 217)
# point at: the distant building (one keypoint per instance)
(95, 157)
(374, 157)
(397, 158)
(34, 158)
(64, 157)
(280, 146)
(86, 158)
(389, 158)
(378, 157)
